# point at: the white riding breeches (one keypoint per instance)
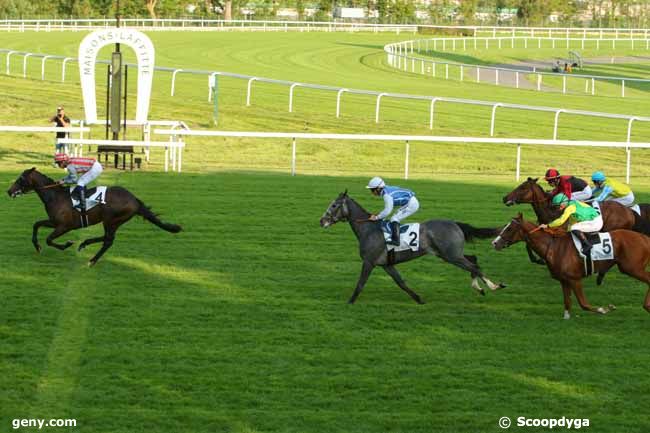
(407, 210)
(589, 226)
(626, 200)
(583, 195)
(90, 175)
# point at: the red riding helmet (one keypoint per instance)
(60, 157)
(551, 173)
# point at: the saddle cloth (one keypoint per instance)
(409, 236)
(94, 196)
(603, 248)
(636, 209)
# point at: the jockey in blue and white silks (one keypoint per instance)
(393, 196)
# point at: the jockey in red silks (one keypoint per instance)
(81, 171)
(573, 187)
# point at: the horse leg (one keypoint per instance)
(463, 263)
(109, 237)
(582, 299)
(366, 269)
(640, 274)
(90, 241)
(59, 231)
(390, 270)
(37, 225)
(532, 257)
(566, 290)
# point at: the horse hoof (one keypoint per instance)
(482, 292)
(612, 307)
(91, 263)
(501, 286)
(38, 248)
(81, 247)
(68, 245)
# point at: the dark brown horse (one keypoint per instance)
(631, 254)
(615, 215)
(120, 207)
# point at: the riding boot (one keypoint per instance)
(82, 199)
(394, 228)
(586, 245)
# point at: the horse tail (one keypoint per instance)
(146, 213)
(641, 224)
(471, 232)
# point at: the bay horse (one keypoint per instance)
(442, 238)
(615, 215)
(119, 208)
(631, 255)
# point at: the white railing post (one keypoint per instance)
(494, 112)
(557, 118)
(433, 103)
(539, 82)
(248, 91)
(517, 79)
(593, 86)
(377, 106)
(628, 164)
(25, 64)
(66, 60)
(338, 102)
(174, 80)
(496, 77)
(293, 156)
(8, 56)
(406, 161)
(622, 88)
(43, 67)
(293, 86)
(563, 83)
(211, 83)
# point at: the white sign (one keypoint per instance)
(145, 54)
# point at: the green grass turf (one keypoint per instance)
(239, 323)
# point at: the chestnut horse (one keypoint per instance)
(615, 215)
(631, 254)
(120, 207)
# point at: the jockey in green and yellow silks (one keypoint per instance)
(583, 219)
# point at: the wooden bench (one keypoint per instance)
(116, 151)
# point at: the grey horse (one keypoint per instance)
(443, 238)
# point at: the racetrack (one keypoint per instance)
(239, 323)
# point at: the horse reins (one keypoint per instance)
(52, 185)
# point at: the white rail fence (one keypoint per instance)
(202, 24)
(408, 139)
(431, 101)
(173, 148)
(47, 129)
(397, 55)
(51, 25)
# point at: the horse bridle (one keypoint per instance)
(344, 209)
(527, 234)
(21, 181)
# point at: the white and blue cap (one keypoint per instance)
(376, 182)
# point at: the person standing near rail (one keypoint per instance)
(62, 121)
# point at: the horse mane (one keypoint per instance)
(43, 176)
(357, 204)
